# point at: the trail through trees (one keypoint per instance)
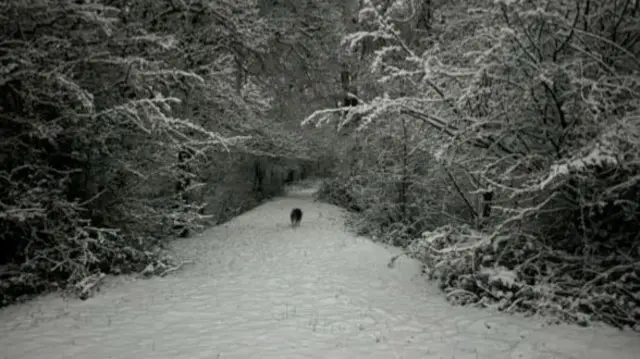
(259, 289)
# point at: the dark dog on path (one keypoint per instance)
(296, 217)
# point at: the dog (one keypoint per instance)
(296, 217)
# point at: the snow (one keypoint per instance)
(501, 275)
(260, 289)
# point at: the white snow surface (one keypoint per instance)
(260, 289)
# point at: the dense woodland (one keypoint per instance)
(495, 141)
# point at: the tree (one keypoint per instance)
(529, 108)
(114, 117)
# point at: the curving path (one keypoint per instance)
(259, 289)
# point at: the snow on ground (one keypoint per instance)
(259, 289)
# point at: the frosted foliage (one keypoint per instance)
(117, 111)
(533, 105)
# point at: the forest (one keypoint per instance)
(494, 141)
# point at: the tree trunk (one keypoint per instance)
(404, 181)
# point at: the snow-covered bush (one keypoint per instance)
(338, 192)
(530, 110)
(519, 274)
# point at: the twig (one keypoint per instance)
(88, 284)
(175, 268)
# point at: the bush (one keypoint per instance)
(337, 192)
(519, 274)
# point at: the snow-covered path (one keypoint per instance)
(259, 289)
